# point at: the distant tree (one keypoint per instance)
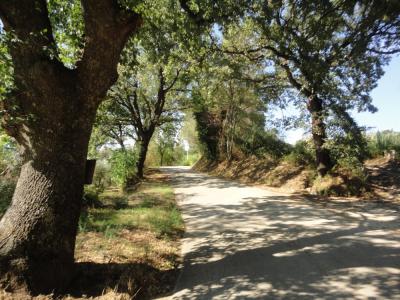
(166, 140)
(227, 106)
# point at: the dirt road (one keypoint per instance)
(249, 243)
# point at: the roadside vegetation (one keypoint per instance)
(292, 168)
(128, 243)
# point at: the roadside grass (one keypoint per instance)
(128, 247)
(151, 208)
(137, 235)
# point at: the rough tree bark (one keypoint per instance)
(56, 107)
(322, 155)
(144, 146)
(318, 128)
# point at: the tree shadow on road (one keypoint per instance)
(281, 247)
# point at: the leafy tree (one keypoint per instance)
(149, 92)
(166, 139)
(49, 109)
(144, 101)
(329, 51)
(228, 108)
(123, 167)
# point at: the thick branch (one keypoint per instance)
(107, 28)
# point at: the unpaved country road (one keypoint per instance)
(249, 243)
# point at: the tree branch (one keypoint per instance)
(107, 28)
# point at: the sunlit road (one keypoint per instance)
(249, 243)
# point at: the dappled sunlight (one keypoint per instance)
(387, 238)
(250, 243)
(362, 282)
(310, 249)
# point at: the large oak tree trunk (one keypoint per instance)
(50, 113)
(37, 233)
(322, 155)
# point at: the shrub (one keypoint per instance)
(123, 166)
(338, 185)
(101, 177)
(302, 153)
(91, 197)
(263, 143)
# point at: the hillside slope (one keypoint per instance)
(382, 181)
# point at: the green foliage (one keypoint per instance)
(102, 177)
(383, 142)
(352, 168)
(263, 143)
(68, 27)
(188, 160)
(123, 166)
(348, 154)
(302, 153)
(90, 197)
(155, 210)
(6, 67)
(9, 158)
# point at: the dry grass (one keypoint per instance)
(382, 184)
(280, 175)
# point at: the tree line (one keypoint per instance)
(127, 68)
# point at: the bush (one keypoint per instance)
(91, 197)
(382, 142)
(263, 143)
(338, 185)
(6, 193)
(302, 153)
(101, 177)
(123, 167)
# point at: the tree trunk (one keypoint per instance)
(161, 158)
(37, 233)
(50, 113)
(144, 146)
(322, 155)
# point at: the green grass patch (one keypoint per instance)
(151, 208)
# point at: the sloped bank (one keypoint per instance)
(293, 177)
